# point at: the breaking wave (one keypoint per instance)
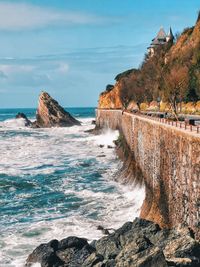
(58, 182)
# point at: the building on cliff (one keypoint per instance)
(161, 39)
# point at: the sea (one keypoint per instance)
(58, 182)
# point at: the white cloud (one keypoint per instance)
(7, 69)
(26, 16)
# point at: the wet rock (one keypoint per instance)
(93, 260)
(150, 257)
(101, 156)
(108, 246)
(109, 146)
(75, 256)
(182, 262)
(72, 241)
(21, 115)
(101, 146)
(45, 254)
(84, 164)
(95, 131)
(51, 114)
(140, 243)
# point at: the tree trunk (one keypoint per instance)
(173, 105)
(138, 105)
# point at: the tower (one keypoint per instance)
(170, 36)
(161, 39)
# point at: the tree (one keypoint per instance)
(133, 89)
(128, 86)
(176, 83)
(191, 93)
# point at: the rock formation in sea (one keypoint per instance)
(51, 114)
(140, 243)
(21, 115)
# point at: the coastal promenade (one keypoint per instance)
(166, 157)
(183, 125)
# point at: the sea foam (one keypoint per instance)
(58, 182)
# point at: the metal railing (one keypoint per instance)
(178, 124)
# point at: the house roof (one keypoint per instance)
(160, 38)
(161, 34)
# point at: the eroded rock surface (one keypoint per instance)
(51, 114)
(140, 243)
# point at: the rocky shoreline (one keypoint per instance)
(140, 243)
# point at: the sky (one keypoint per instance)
(73, 48)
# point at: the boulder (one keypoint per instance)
(149, 257)
(46, 255)
(51, 114)
(140, 243)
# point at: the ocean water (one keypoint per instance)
(57, 182)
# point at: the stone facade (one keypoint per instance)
(169, 160)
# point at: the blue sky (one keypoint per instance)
(74, 48)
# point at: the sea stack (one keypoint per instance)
(51, 114)
(21, 115)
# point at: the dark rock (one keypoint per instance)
(84, 164)
(181, 245)
(51, 114)
(104, 231)
(72, 242)
(124, 229)
(46, 255)
(140, 243)
(95, 131)
(109, 146)
(108, 246)
(93, 259)
(101, 146)
(93, 122)
(21, 115)
(150, 257)
(75, 256)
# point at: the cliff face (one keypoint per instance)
(167, 160)
(51, 114)
(187, 44)
(111, 99)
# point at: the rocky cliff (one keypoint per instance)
(51, 114)
(111, 98)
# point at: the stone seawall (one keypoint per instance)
(169, 163)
